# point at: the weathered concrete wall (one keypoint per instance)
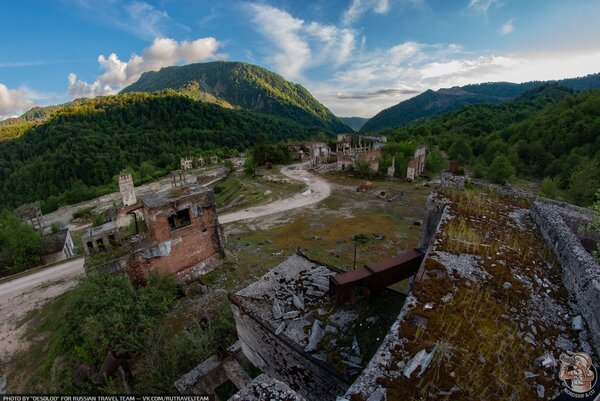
(213, 372)
(281, 358)
(127, 190)
(581, 274)
(435, 208)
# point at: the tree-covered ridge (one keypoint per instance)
(79, 150)
(549, 132)
(356, 123)
(433, 103)
(243, 85)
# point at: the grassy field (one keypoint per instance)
(325, 232)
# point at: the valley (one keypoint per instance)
(300, 201)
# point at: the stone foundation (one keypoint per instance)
(581, 274)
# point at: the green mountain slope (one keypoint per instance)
(80, 148)
(242, 85)
(548, 132)
(355, 123)
(432, 103)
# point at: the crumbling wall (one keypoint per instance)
(581, 274)
(127, 190)
(452, 181)
(434, 209)
(286, 361)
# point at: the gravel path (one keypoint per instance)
(318, 189)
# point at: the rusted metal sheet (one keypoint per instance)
(375, 278)
(393, 270)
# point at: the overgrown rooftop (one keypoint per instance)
(488, 316)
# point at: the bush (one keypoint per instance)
(20, 245)
(435, 162)
(106, 313)
(169, 355)
(460, 151)
(249, 166)
(363, 169)
(549, 187)
(501, 170)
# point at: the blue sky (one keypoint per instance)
(355, 56)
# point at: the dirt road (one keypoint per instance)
(318, 189)
(26, 293)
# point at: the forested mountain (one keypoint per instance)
(433, 103)
(80, 148)
(355, 123)
(12, 128)
(549, 132)
(247, 86)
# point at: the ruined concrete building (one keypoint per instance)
(416, 165)
(319, 153)
(391, 170)
(294, 331)
(127, 190)
(183, 236)
(31, 213)
(57, 246)
(178, 179)
(101, 238)
(185, 163)
(352, 149)
(498, 299)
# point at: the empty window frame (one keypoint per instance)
(180, 219)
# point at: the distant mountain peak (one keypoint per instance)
(433, 103)
(241, 85)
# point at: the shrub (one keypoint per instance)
(501, 170)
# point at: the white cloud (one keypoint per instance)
(384, 77)
(359, 7)
(297, 44)
(162, 53)
(13, 102)
(482, 6)
(284, 32)
(136, 17)
(508, 27)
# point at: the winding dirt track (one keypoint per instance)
(319, 190)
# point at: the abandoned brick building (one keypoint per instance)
(183, 235)
(183, 231)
